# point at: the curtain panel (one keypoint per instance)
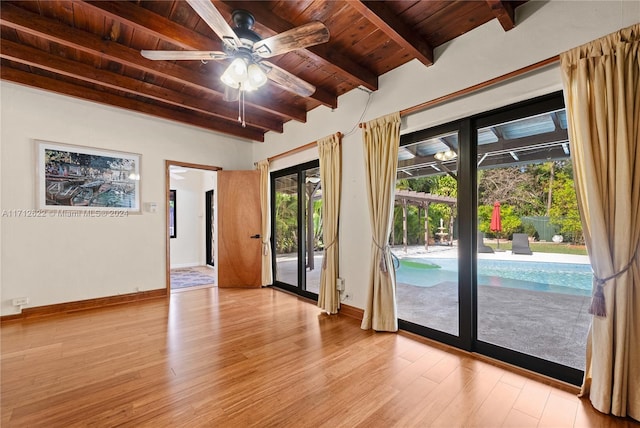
(602, 92)
(330, 183)
(381, 139)
(265, 233)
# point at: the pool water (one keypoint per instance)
(567, 278)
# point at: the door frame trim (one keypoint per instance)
(167, 186)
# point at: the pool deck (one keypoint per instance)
(437, 251)
(552, 326)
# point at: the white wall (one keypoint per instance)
(544, 29)
(55, 260)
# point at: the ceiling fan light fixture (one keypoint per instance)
(446, 155)
(235, 74)
(247, 78)
(256, 76)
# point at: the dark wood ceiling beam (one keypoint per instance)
(66, 67)
(389, 23)
(331, 62)
(325, 98)
(504, 11)
(76, 91)
(148, 22)
(22, 20)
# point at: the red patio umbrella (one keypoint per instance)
(496, 222)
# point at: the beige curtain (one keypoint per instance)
(330, 182)
(265, 233)
(381, 141)
(602, 90)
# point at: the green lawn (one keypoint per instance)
(545, 247)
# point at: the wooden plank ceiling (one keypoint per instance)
(91, 50)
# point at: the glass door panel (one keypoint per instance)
(425, 233)
(313, 229)
(533, 274)
(285, 216)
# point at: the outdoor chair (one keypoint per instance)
(520, 244)
(482, 248)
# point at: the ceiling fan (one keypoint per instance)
(249, 68)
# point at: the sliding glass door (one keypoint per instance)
(508, 241)
(425, 233)
(533, 276)
(297, 228)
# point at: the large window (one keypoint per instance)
(491, 238)
(297, 228)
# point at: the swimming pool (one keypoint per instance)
(566, 278)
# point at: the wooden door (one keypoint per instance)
(239, 224)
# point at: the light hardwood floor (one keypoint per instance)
(257, 357)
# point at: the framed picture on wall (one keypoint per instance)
(86, 179)
(173, 225)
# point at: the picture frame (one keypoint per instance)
(173, 222)
(79, 178)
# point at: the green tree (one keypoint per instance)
(564, 208)
(415, 225)
(443, 185)
(286, 219)
(510, 221)
(484, 219)
(317, 225)
(515, 186)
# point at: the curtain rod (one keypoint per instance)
(298, 149)
(477, 87)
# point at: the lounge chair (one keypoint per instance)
(520, 244)
(482, 248)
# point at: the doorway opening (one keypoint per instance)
(210, 224)
(190, 226)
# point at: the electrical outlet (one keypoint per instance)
(340, 284)
(20, 301)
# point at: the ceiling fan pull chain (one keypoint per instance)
(244, 125)
(239, 101)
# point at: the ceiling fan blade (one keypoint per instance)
(287, 80)
(306, 35)
(185, 55)
(216, 21)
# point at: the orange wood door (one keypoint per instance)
(239, 222)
